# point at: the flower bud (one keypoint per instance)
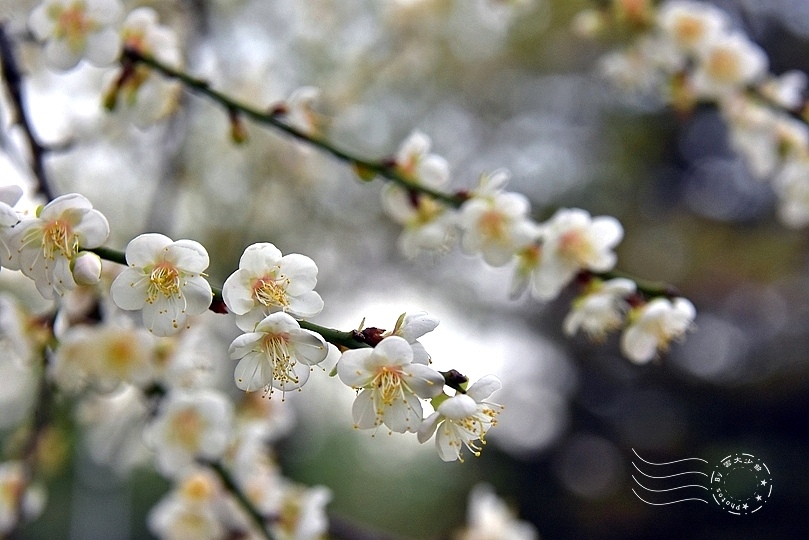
(87, 268)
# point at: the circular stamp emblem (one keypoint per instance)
(741, 484)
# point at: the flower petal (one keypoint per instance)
(253, 372)
(428, 427)
(129, 289)
(306, 305)
(237, 294)
(301, 272)
(484, 388)
(363, 410)
(188, 255)
(145, 249)
(352, 369)
(198, 295)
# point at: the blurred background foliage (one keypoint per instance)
(513, 89)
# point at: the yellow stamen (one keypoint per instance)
(271, 291)
(164, 279)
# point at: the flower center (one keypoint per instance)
(427, 210)
(575, 246)
(72, 25)
(57, 236)
(689, 30)
(186, 428)
(276, 347)
(388, 381)
(164, 279)
(271, 292)
(724, 66)
(492, 225)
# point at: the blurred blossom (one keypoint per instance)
(489, 517)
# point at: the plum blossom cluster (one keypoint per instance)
(145, 392)
(686, 53)
(570, 247)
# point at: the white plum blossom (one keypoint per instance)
(414, 160)
(278, 353)
(165, 280)
(652, 326)
(76, 29)
(786, 90)
(411, 327)
(302, 515)
(572, 241)
(428, 224)
(601, 309)
(691, 25)
(495, 223)
(489, 518)
(144, 96)
(190, 425)
(44, 247)
(462, 419)
(727, 64)
(17, 497)
(267, 282)
(390, 385)
(190, 510)
(792, 186)
(103, 356)
(300, 112)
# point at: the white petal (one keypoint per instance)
(637, 345)
(103, 47)
(237, 294)
(403, 415)
(458, 407)
(277, 323)
(198, 295)
(352, 369)
(129, 289)
(10, 194)
(306, 305)
(61, 56)
(257, 259)
(188, 255)
(164, 317)
(427, 427)
(253, 372)
(310, 348)
(448, 447)
(244, 344)
(363, 410)
(607, 230)
(393, 351)
(416, 325)
(145, 249)
(484, 388)
(65, 203)
(301, 272)
(424, 381)
(93, 229)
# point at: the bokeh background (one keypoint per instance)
(493, 86)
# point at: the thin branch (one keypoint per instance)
(274, 119)
(230, 484)
(12, 78)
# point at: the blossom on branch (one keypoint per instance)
(76, 29)
(146, 96)
(601, 309)
(428, 224)
(496, 223)
(267, 282)
(165, 280)
(277, 354)
(652, 326)
(572, 241)
(462, 419)
(44, 247)
(390, 385)
(190, 425)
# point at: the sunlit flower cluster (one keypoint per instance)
(686, 53)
